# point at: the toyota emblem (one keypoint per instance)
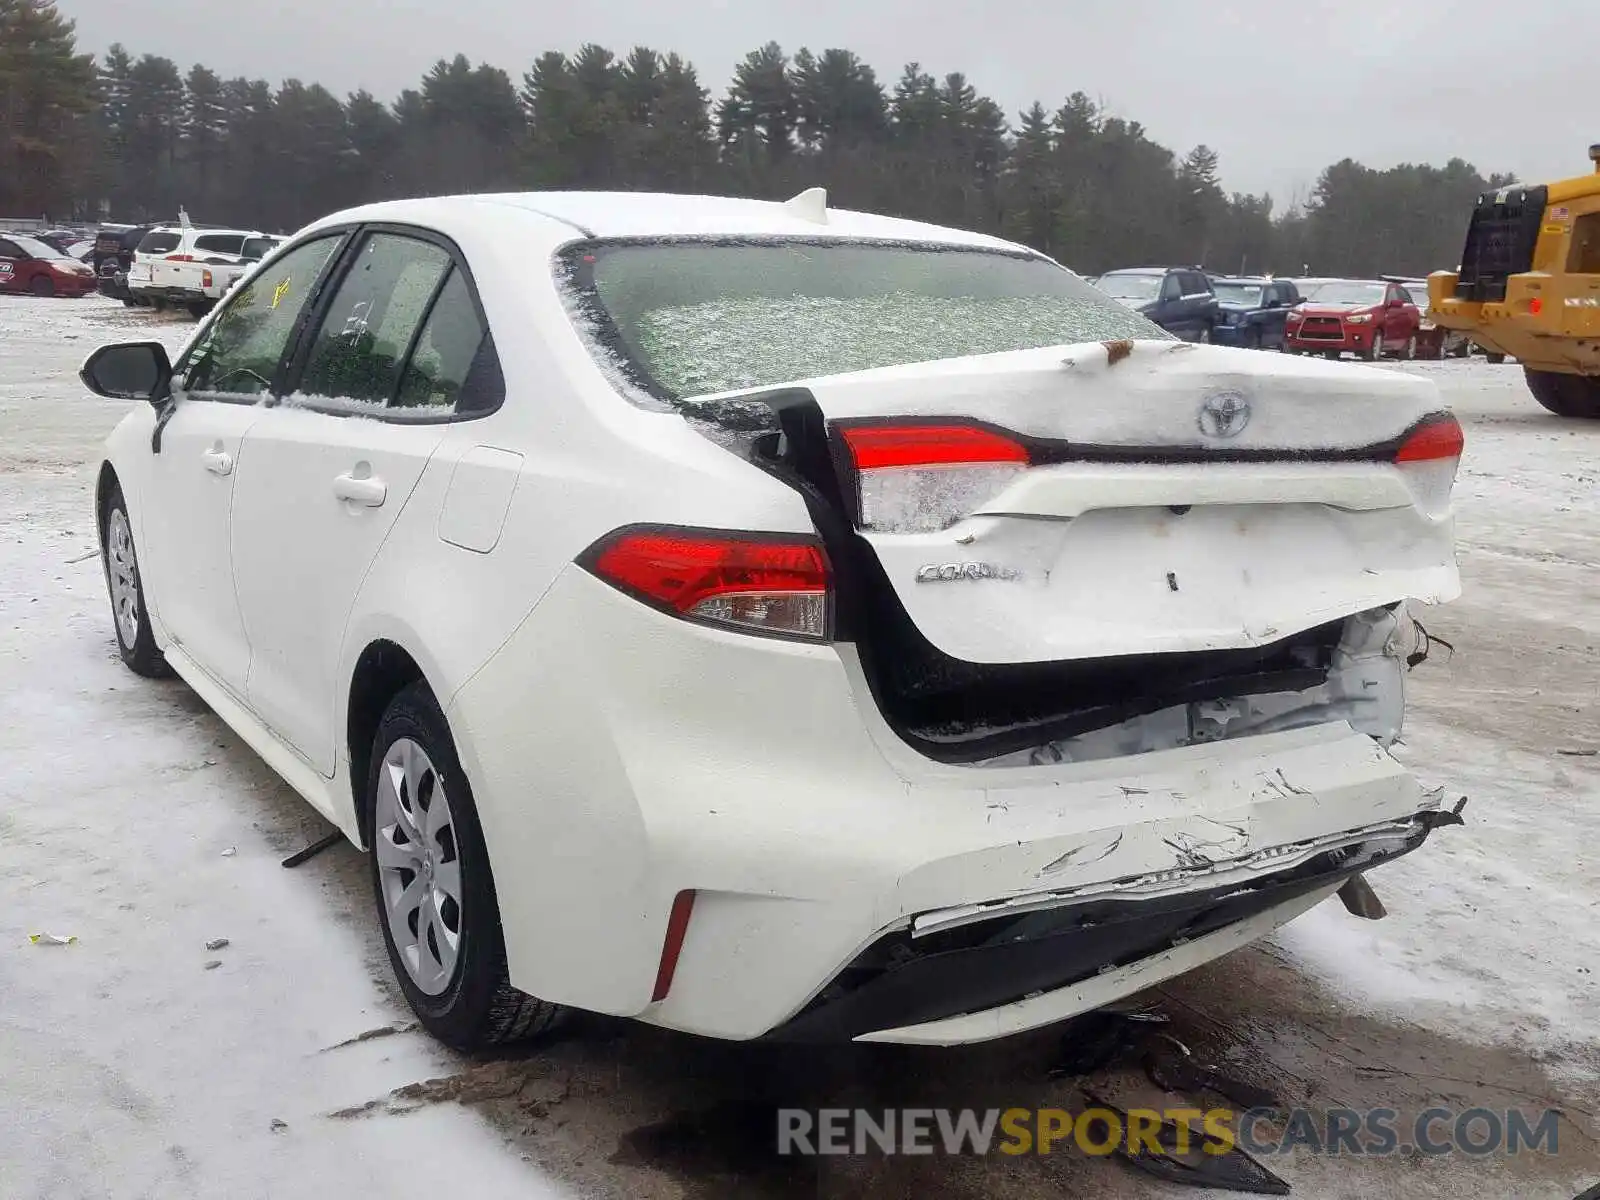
(1224, 415)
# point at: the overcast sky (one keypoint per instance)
(1280, 88)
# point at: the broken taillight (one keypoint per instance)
(1440, 437)
(922, 477)
(1428, 457)
(775, 584)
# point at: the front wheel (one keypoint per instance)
(136, 640)
(1565, 395)
(1375, 351)
(435, 894)
(43, 286)
(1408, 349)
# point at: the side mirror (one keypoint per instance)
(129, 371)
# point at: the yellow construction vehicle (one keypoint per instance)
(1529, 287)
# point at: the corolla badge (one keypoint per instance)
(963, 572)
(1224, 415)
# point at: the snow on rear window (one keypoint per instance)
(693, 318)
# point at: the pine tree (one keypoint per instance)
(47, 91)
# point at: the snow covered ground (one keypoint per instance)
(132, 819)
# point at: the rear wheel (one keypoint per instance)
(136, 641)
(200, 308)
(1565, 395)
(1408, 351)
(435, 895)
(42, 286)
(1494, 356)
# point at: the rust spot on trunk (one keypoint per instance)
(1117, 351)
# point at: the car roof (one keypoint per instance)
(1252, 280)
(667, 215)
(1145, 270)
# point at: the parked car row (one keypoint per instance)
(1369, 318)
(184, 265)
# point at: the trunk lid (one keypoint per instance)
(1137, 498)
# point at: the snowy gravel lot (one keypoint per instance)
(133, 819)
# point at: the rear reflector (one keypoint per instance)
(672, 944)
(759, 583)
(1438, 438)
(873, 446)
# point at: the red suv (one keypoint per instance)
(1367, 317)
(29, 265)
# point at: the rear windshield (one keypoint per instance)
(1239, 293)
(1347, 291)
(159, 242)
(1131, 287)
(684, 319)
(220, 243)
(255, 249)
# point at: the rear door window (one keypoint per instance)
(368, 330)
(240, 351)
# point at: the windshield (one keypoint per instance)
(1348, 292)
(1248, 295)
(696, 318)
(1131, 287)
(34, 248)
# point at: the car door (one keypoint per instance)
(1397, 321)
(1169, 309)
(11, 267)
(1200, 304)
(190, 485)
(1281, 297)
(324, 478)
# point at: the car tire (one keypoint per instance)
(201, 309)
(1461, 351)
(1565, 395)
(460, 990)
(42, 286)
(1252, 338)
(130, 616)
(1375, 351)
(130, 302)
(1408, 349)
(1204, 336)
(1494, 357)
(1332, 355)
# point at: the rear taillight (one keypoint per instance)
(180, 258)
(1428, 457)
(922, 477)
(1440, 437)
(760, 583)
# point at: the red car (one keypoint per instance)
(29, 265)
(1367, 317)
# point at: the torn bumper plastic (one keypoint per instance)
(985, 957)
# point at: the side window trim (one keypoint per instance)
(292, 366)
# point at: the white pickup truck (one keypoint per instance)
(193, 267)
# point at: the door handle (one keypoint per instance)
(217, 461)
(368, 492)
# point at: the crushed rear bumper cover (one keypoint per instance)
(968, 965)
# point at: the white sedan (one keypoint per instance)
(757, 618)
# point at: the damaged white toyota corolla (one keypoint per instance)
(759, 619)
